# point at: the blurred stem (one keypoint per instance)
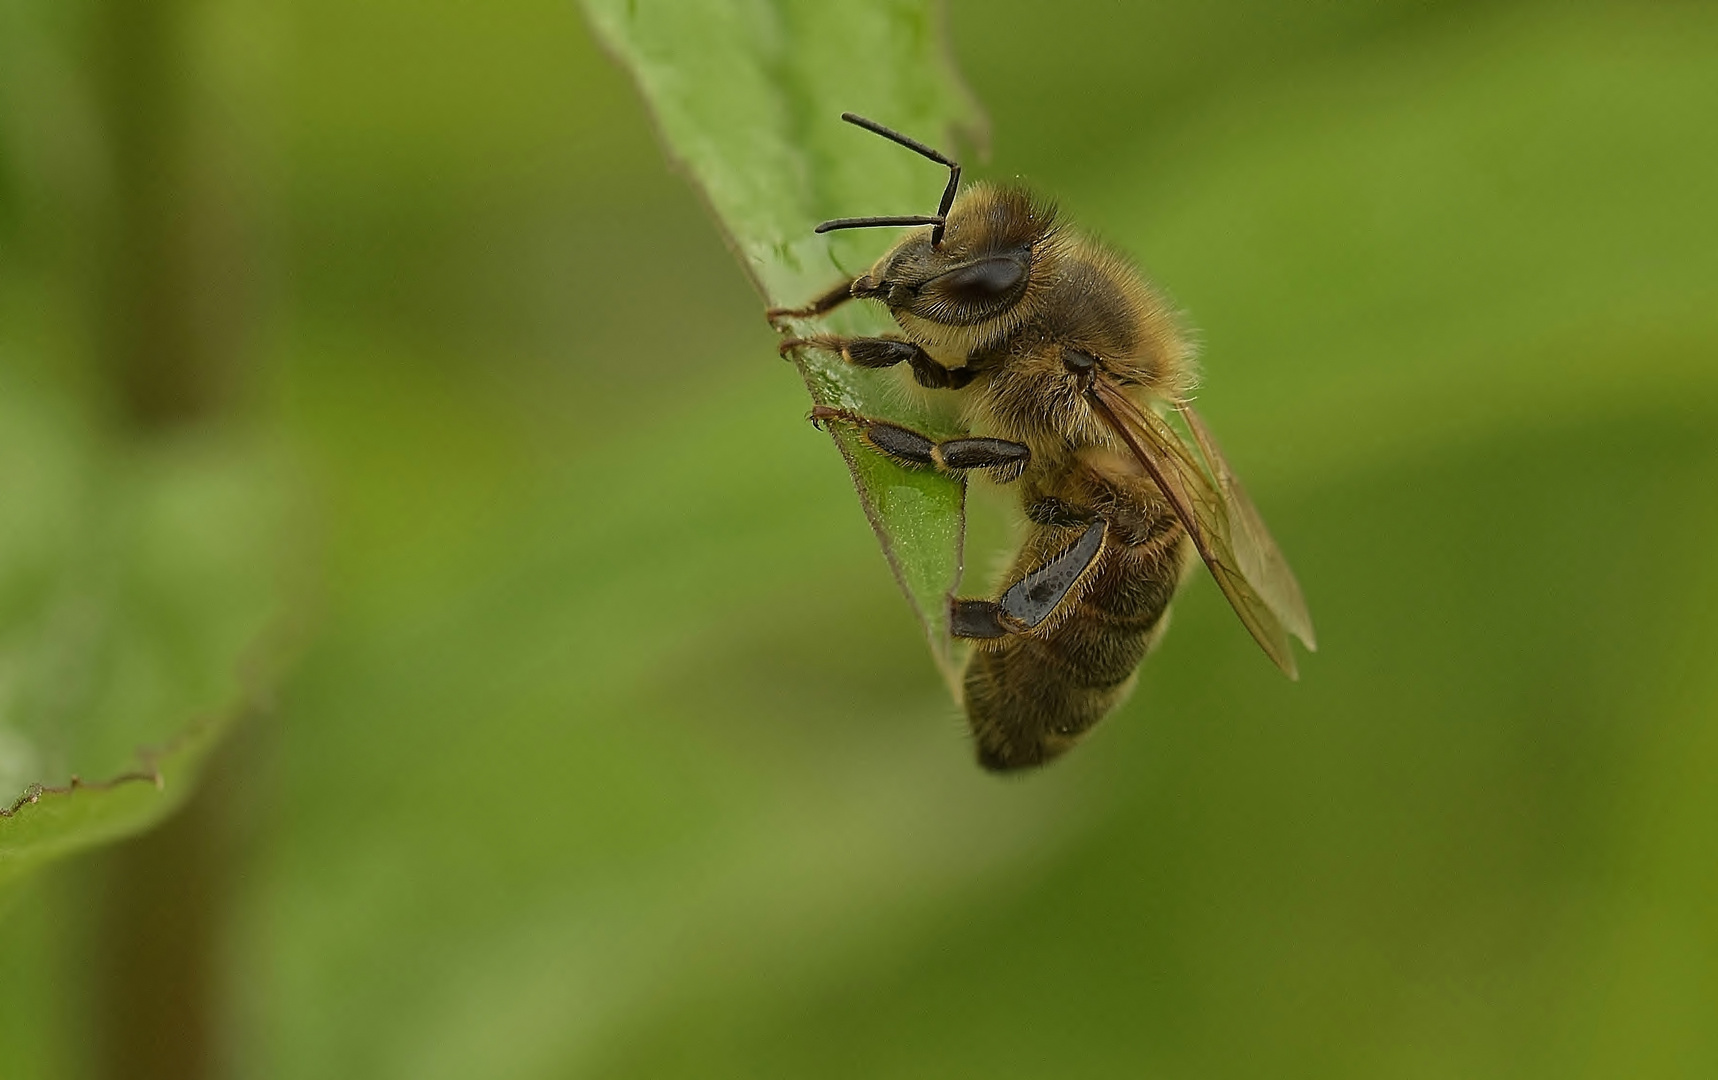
(160, 911)
(169, 294)
(164, 297)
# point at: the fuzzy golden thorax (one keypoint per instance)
(1038, 310)
(1094, 318)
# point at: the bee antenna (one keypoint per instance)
(868, 222)
(941, 217)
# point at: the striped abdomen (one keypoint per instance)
(1029, 697)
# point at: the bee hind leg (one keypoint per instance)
(976, 619)
(1050, 510)
(1028, 602)
(1005, 459)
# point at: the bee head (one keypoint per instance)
(980, 270)
(967, 274)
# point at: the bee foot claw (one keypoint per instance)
(823, 414)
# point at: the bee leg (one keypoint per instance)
(976, 619)
(887, 352)
(1029, 601)
(823, 305)
(881, 352)
(1050, 510)
(1006, 460)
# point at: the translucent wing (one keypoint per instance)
(1261, 561)
(1222, 522)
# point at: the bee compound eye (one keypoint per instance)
(981, 282)
(1078, 362)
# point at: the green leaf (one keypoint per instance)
(138, 582)
(748, 97)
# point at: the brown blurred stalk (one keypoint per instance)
(173, 261)
(172, 295)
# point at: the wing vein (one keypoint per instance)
(1222, 522)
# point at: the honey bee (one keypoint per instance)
(1068, 361)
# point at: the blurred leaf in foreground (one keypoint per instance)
(138, 580)
(748, 98)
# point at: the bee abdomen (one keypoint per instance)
(1030, 698)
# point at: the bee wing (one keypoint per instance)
(1261, 561)
(1224, 525)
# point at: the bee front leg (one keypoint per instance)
(880, 352)
(823, 305)
(1028, 602)
(1006, 460)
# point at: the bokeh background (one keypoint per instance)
(616, 752)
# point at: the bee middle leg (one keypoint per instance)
(882, 352)
(1025, 604)
(1006, 460)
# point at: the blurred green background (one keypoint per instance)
(616, 752)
